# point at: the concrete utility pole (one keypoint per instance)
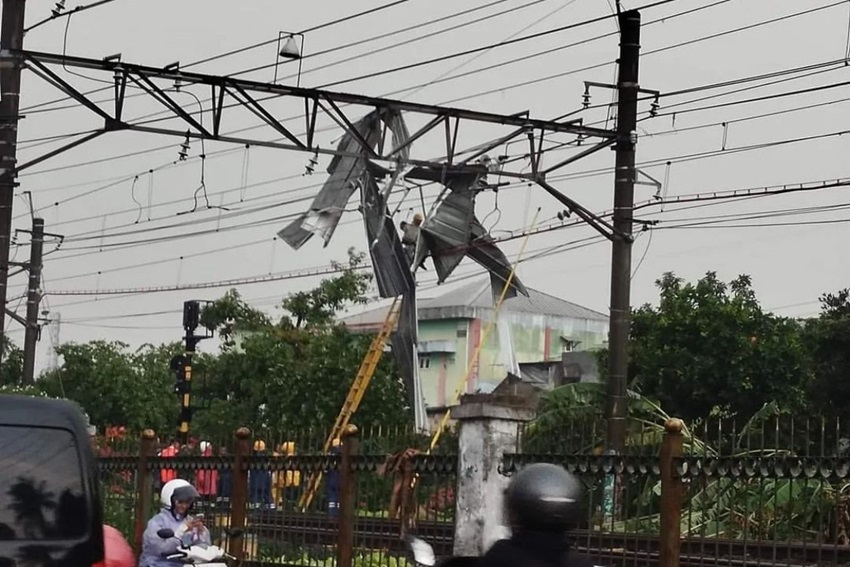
(621, 256)
(33, 329)
(11, 37)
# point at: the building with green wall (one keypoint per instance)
(530, 331)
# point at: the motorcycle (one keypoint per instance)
(206, 556)
(423, 555)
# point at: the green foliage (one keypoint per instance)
(296, 373)
(12, 366)
(115, 385)
(292, 374)
(828, 340)
(326, 558)
(120, 513)
(230, 314)
(570, 421)
(709, 347)
(318, 307)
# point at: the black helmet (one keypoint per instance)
(543, 497)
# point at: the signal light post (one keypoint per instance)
(182, 365)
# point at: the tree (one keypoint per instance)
(117, 386)
(708, 347)
(295, 373)
(229, 315)
(12, 367)
(828, 339)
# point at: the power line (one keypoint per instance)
(756, 99)
(33, 109)
(68, 14)
(572, 176)
(490, 46)
(404, 43)
(119, 180)
(342, 20)
(460, 54)
(696, 200)
(675, 159)
(229, 53)
(647, 53)
(714, 222)
(425, 84)
(535, 81)
(237, 281)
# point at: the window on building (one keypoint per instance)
(569, 345)
(425, 362)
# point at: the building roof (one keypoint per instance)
(472, 300)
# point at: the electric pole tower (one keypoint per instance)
(11, 37)
(33, 329)
(55, 329)
(621, 255)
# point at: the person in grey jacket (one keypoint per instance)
(177, 499)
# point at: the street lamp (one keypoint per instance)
(288, 48)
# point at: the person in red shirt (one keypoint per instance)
(172, 450)
(206, 480)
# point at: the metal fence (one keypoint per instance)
(770, 490)
(253, 499)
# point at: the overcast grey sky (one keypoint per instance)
(97, 204)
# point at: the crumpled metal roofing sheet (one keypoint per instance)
(326, 209)
(389, 262)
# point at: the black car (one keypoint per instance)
(50, 512)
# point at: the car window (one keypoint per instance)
(42, 495)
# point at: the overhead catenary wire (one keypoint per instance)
(509, 87)
(569, 176)
(694, 200)
(454, 55)
(116, 180)
(68, 14)
(715, 222)
(97, 248)
(317, 27)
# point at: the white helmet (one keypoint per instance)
(177, 490)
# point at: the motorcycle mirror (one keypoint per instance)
(422, 551)
(165, 533)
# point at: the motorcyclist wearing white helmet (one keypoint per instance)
(177, 499)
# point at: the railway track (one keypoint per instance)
(614, 549)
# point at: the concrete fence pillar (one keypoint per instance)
(488, 427)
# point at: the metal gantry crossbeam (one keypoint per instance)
(230, 92)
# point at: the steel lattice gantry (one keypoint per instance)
(362, 157)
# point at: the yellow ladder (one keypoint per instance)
(355, 394)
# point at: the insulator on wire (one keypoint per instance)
(184, 149)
